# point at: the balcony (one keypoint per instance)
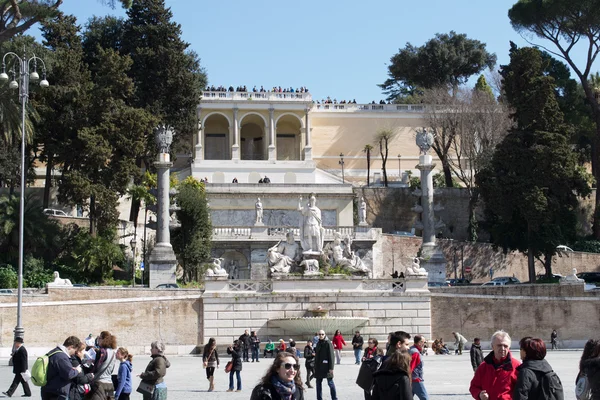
(228, 233)
(257, 96)
(383, 108)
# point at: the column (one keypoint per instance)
(307, 144)
(199, 154)
(272, 149)
(163, 169)
(235, 149)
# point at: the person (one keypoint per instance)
(338, 344)
(89, 342)
(392, 381)
(309, 356)
(459, 343)
(124, 386)
(416, 369)
(210, 360)
(254, 346)
(104, 365)
(282, 381)
(292, 347)
(554, 339)
(443, 348)
(398, 340)
(315, 339)
(80, 385)
(496, 377)
(19, 359)
(589, 365)
(476, 354)
(324, 366)
(235, 180)
(371, 361)
(60, 370)
(533, 369)
(244, 341)
(357, 346)
(155, 372)
(269, 349)
(281, 346)
(236, 358)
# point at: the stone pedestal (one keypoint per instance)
(215, 283)
(434, 262)
(272, 153)
(259, 229)
(364, 223)
(199, 154)
(416, 284)
(308, 153)
(163, 265)
(235, 152)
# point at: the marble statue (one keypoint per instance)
(58, 281)
(284, 255)
(311, 226)
(216, 269)
(424, 140)
(164, 138)
(234, 272)
(571, 278)
(362, 213)
(416, 268)
(310, 266)
(344, 257)
(259, 211)
(355, 260)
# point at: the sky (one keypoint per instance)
(335, 48)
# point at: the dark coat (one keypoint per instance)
(309, 356)
(156, 370)
(357, 342)
(236, 357)
(476, 356)
(591, 368)
(391, 385)
(268, 392)
(366, 371)
(59, 375)
(324, 358)
(20, 360)
(528, 379)
(80, 379)
(245, 340)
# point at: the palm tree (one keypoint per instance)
(367, 149)
(384, 137)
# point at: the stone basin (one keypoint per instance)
(310, 325)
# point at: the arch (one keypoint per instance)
(254, 177)
(254, 140)
(289, 177)
(218, 177)
(253, 113)
(289, 137)
(219, 113)
(293, 115)
(216, 131)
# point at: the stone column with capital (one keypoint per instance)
(307, 144)
(235, 148)
(163, 261)
(272, 148)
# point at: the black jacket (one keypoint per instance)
(357, 342)
(324, 359)
(245, 340)
(60, 372)
(391, 385)
(309, 356)
(267, 392)
(528, 379)
(236, 357)
(591, 368)
(79, 380)
(20, 360)
(476, 356)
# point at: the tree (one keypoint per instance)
(367, 149)
(383, 138)
(566, 23)
(449, 59)
(482, 87)
(530, 188)
(192, 241)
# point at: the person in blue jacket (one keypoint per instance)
(124, 386)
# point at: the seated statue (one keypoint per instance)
(284, 255)
(344, 257)
(571, 278)
(58, 281)
(416, 268)
(216, 269)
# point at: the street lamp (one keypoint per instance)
(399, 173)
(25, 76)
(341, 162)
(133, 244)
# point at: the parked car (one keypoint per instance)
(437, 284)
(493, 283)
(544, 278)
(168, 286)
(562, 247)
(458, 282)
(80, 285)
(589, 277)
(53, 212)
(506, 280)
(6, 291)
(403, 233)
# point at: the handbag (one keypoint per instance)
(146, 388)
(229, 366)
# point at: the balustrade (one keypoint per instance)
(242, 232)
(267, 96)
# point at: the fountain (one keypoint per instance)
(319, 319)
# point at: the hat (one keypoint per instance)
(18, 340)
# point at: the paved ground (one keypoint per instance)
(447, 377)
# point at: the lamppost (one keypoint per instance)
(133, 244)
(341, 162)
(399, 173)
(25, 77)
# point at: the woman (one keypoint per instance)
(371, 361)
(590, 367)
(534, 367)
(236, 358)
(106, 359)
(371, 349)
(80, 385)
(282, 381)
(210, 360)
(338, 343)
(393, 381)
(124, 386)
(281, 346)
(309, 356)
(292, 347)
(156, 371)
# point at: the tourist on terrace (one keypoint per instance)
(590, 367)
(210, 361)
(534, 367)
(282, 381)
(338, 344)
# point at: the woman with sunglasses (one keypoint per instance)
(282, 381)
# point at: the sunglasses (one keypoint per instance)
(321, 334)
(289, 366)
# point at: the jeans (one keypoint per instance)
(357, 355)
(245, 354)
(338, 355)
(310, 374)
(254, 353)
(418, 389)
(237, 377)
(331, 388)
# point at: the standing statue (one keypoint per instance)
(362, 212)
(311, 226)
(259, 211)
(284, 255)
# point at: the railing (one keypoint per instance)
(250, 286)
(395, 285)
(279, 232)
(232, 231)
(349, 108)
(258, 96)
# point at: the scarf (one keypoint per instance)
(284, 390)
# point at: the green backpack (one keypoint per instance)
(39, 370)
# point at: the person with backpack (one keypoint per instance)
(588, 379)
(59, 372)
(19, 359)
(535, 378)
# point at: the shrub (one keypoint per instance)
(8, 277)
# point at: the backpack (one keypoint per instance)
(39, 370)
(550, 387)
(583, 389)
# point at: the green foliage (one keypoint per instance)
(338, 270)
(587, 245)
(8, 277)
(439, 181)
(115, 282)
(34, 273)
(414, 182)
(483, 87)
(383, 139)
(448, 59)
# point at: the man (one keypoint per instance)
(476, 354)
(459, 343)
(398, 340)
(324, 365)
(60, 371)
(19, 365)
(495, 378)
(416, 369)
(357, 345)
(245, 343)
(553, 339)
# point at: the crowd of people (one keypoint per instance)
(244, 89)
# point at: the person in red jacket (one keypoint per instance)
(338, 343)
(496, 377)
